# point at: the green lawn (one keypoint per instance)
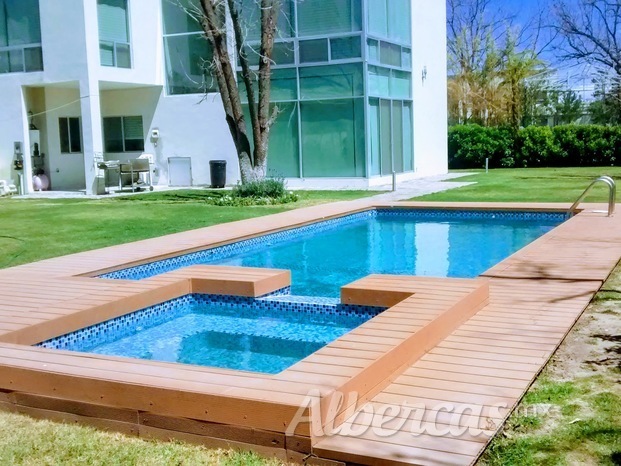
(528, 185)
(35, 229)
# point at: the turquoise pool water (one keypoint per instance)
(325, 256)
(258, 335)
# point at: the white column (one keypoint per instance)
(92, 135)
(26, 155)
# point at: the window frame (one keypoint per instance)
(68, 122)
(8, 49)
(123, 138)
(115, 44)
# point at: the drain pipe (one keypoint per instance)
(394, 181)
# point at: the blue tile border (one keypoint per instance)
(205, 256)
(270, 305)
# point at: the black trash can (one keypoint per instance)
(217, 170)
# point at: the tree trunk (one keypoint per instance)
(252, 166)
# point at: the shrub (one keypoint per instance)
(269, 187)
(470, 145)
(535, 146)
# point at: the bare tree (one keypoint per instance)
(592, 32)
(214, 16)
(490, 60)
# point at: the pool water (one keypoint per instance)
(321, 264)
(327, 255)
(244, 334)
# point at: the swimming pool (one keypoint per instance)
(261, 335)
(327, 255)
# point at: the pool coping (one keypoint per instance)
(22, 308)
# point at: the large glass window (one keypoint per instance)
(251, 16)
(187, 51)
(386, 136)
(374, 137)
(320, 17)
(70, 135)
(188, 61)
(114, 49)
(333, 138)
(390, 19)
(283, 159)
(123, 134)
(20, 36)
(331, 81)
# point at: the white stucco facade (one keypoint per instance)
(73, 83)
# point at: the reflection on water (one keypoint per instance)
(320, 264)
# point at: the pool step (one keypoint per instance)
(423, 312)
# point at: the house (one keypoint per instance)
(361, 85)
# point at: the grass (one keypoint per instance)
(528, 185)
(26, 441)
(35, 229)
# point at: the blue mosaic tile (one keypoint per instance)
(130, 324)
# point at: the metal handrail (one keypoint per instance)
(612, 194)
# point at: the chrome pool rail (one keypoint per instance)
(612, 194)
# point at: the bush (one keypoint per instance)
(535, 146)
(470, 145)
(269, 187)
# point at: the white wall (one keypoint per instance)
(189, 126)
(66, 171)
(429, 95)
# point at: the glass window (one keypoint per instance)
(70, 135)
(133, 133)
(378, 18)
(20, 27)
(333, 138)
(284, 84)
(345, 47)
(19, 22)
(283, 159)
(320, 17)
(331, 81)
(187, 64)
(283, 53)
(113, 134)
(379, 81)
(400, 84)
(313, 50)
(406, 58)
(374, 137)
(373, 50)
(390, 54)
(399, 20)
(176, 20)
(408, 129)
(123, 134)
(397, 136)
(386, 136)
(251, 18)
(33, 59)
(113, 33)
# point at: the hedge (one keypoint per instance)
(534, 146)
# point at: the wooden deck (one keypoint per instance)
(473, 346)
